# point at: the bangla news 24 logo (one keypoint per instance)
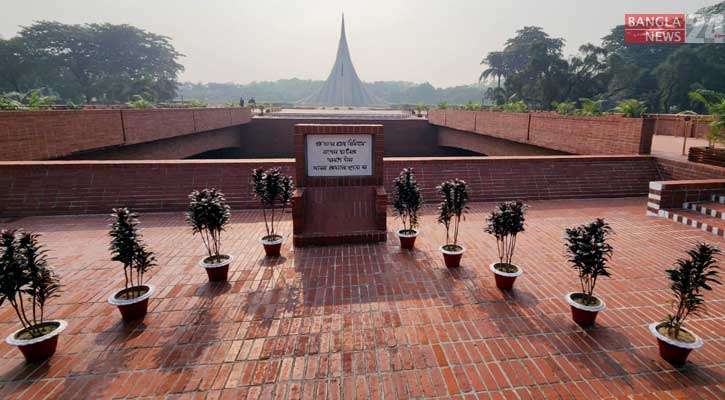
(673, 28)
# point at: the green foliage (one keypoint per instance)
(565, 107)
(127, 247)
(442, 105)
(198, 103)
(631, 108)
(406, 199)
(532, 67)
(714, 103)
(7, 103)
(454, 197)
(139, 103)
(590, 107)
(24, 272)
(270, 187)
(208, 214)
(96, 62)
(473, 106)
(505, 222)
(689, 279)
(34, 100)
(516, 106)
(73, 106)
(589, 252)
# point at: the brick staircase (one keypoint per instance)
(706, 215)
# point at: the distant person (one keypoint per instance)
(241, 102)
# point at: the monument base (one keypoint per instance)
(340, 198)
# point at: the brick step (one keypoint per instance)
(709, 208)
(718, 198)
(697, 220)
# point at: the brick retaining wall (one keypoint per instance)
(572, 134)
(41, 135)
(86, 187)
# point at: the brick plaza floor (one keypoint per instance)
(369, 321)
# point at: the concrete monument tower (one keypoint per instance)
(343, 87)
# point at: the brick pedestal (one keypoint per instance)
(331, 210)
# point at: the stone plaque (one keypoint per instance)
(339, 155)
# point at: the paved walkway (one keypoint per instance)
(671, 146)
(369, 321)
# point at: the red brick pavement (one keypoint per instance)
(369, 321)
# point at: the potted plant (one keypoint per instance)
(24, 273)
(406, 203)
(505, 222)
(454, 196)
(589, 254)
(128, 249)
(208, 214)
(689, 279)
(270, 187)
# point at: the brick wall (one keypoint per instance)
(571, 134)
(674, 125)
(40, 135)
(82, 187)
(683, 170)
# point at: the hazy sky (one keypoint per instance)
(441, 42)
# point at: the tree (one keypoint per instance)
(92, 62)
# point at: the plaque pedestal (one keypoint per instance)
(340, 196)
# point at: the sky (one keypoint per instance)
(441, 42)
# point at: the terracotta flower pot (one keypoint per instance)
(452, 257)
(217, 272)
(671, 350)
(40, 348)
(583, 315)
(272, 247)
(505, 280)
(133, 308)
(407, 240)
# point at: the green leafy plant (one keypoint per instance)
(35, 101)
(505, 222)
(473, 106)
(24, 272)
(442, 105)
(516, 106)
(589, 252)
(128, 249)
(420, 107)
(565, 107)
(590, 107)
(715, 104)
(74, 106)
(631, 108)
(454, 197)
(270, 187)
(690, 277)
(208, 214)
(8, 103)
(406, 200)
(198, 103)
(139, 103)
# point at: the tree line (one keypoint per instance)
(101, 63)
(531, 68)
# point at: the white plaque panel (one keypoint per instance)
(339, 155)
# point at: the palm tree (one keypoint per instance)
(496, 67)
